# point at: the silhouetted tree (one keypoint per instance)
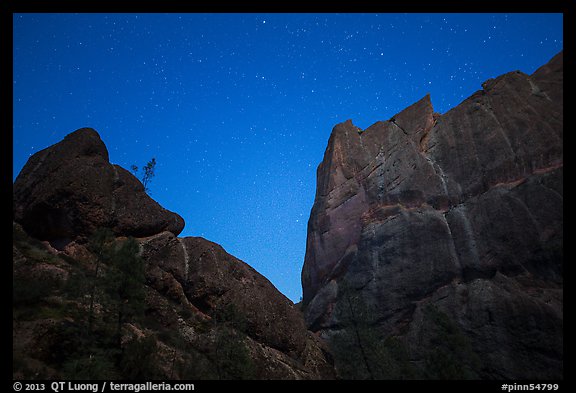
(124, 284)
(231, 355)
(149, 171)
(99, 244)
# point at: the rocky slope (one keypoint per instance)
(86, 305)
(452, 220)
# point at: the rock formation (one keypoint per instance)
(461, 213)
(200, 275)
(434, 250)
(69, 189)
(206, 314)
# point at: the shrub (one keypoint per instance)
(139, 360)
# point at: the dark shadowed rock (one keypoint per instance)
(69, 189)
(460, 211)
(208, 314)
(202, 275)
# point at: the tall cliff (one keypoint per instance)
(104, 288)
(458, 216)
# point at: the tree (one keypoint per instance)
(231, 354)
(124, 284)
(91, 345)
(149, 171)
(99, 245)
(139, 359)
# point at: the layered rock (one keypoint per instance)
(70, 189)
(462, 211)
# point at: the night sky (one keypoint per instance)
(237, 108)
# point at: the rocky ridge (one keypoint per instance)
(206, 314)
(460, 212)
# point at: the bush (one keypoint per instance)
(231, 355)
(139, 360)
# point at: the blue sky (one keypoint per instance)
(237, 109)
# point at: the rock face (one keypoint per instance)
(206, 314)
(69, 189)
(461, 211)
(202, 276)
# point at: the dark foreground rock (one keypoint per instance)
(104, 288)
(202, 276)
(460, 214)
(70, 189)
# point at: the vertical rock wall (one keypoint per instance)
(462, 211)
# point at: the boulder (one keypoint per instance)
(70, 189)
